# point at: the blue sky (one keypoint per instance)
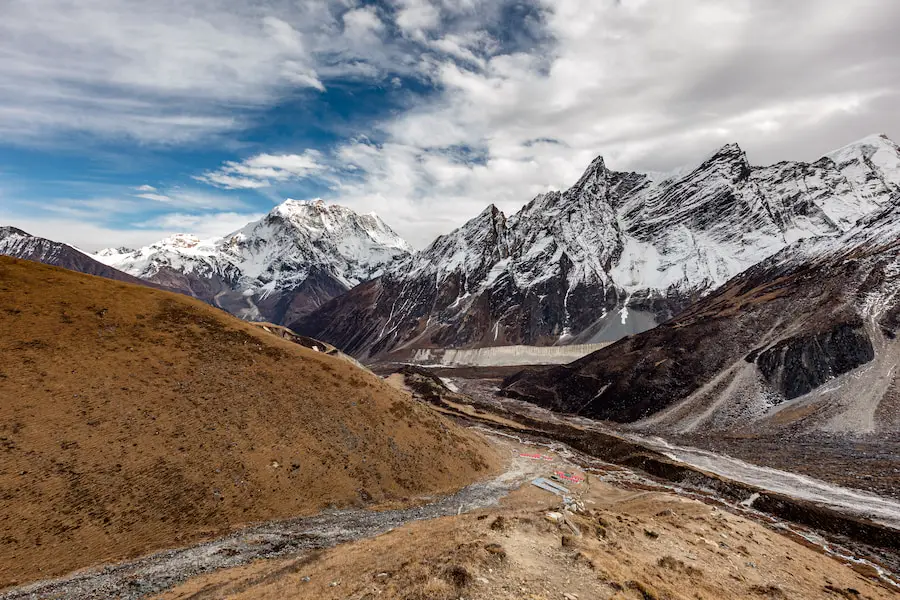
(122, 121)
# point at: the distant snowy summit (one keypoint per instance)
(612, 256)
(297, 257)
(19, 244)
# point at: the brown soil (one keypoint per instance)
(133, 420)
(632, 545)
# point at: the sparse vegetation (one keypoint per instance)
(157, 419)
(768, 591)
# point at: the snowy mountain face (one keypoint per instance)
(278, 268)
(806, 341)
(19, 244)
(612, 256)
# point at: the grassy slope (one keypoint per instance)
(133, 420)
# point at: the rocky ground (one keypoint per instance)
(865, 463)
(678, 533)
(626, 536)
(275, 539)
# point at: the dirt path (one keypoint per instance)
(158, 572)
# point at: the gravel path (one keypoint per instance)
(159, 572)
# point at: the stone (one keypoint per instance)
(555, 517)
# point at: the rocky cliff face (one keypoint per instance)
(804, 341)
(799, 364)
(279, 268)
(612, 256)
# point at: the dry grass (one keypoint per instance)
(133, 420)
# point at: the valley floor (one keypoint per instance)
(867, 464)
(629, 538)
(627, 542)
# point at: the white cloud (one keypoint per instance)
(155, 197)
(121, 220)
(264, 170)
(231, 182)
(518, 106)
(648, 84)
(188, 198)
(149, 192)
(128, 206)
(416, 17)
(171, 72)
(362, 22)
(166, 71)
(82, 234)
(463, 47)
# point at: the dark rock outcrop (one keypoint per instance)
(799, 364)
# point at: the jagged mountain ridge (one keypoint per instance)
(20, 244)
(614, 255)
(806, 341)
(300, 255)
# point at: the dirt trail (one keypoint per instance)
(161, 571)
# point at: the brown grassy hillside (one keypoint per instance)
(133, 419)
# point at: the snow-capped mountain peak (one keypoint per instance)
(318, 248)
(595, 175)
(874, 155)
(181, 240)
(17, 243)
(465, 252)
(114, 251)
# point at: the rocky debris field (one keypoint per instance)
(863, 463)
(613, 533)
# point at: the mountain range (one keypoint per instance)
(739, 298)
(20, 244)
(276, 269)
(612, 256)
(805, 341)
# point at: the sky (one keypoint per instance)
(124, 121)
